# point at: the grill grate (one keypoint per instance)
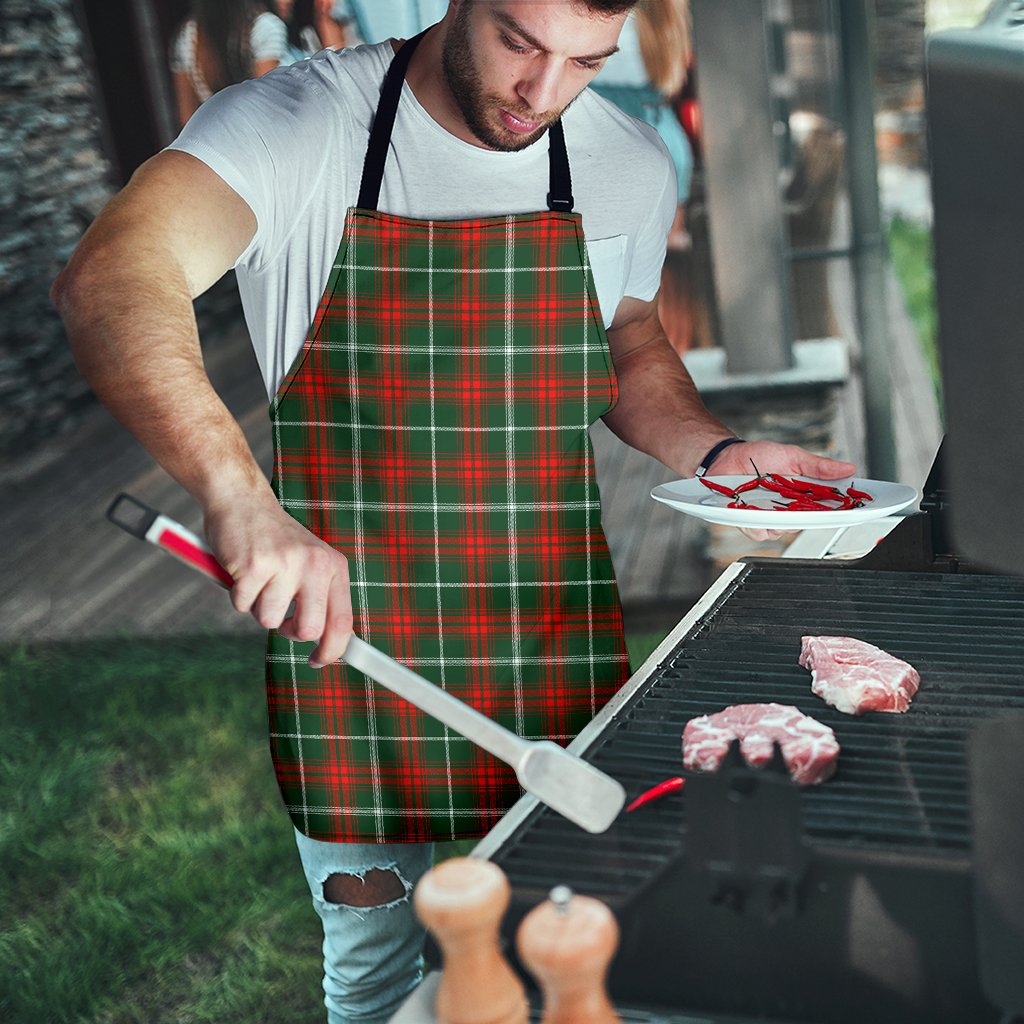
(901, 786)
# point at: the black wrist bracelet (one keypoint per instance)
(705, 463)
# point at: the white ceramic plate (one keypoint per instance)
(693, 498)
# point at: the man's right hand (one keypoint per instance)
(274, 562)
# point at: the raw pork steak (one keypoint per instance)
(809, 748)
(855, 677)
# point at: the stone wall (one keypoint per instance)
(54, 178)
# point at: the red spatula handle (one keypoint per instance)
(147, 524)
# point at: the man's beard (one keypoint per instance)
(464, 83)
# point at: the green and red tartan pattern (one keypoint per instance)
(434, 429)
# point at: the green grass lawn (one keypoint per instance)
(147, 867)
(910, 249)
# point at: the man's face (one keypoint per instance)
(513, 66)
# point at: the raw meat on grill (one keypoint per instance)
(809, 748)
(855, 677)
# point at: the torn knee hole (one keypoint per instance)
(373, 889)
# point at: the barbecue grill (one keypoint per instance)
(746, 897)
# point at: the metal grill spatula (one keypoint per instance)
(574, 788)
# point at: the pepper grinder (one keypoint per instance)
(567, 943)
(462, 901)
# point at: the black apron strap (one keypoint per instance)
(560, 198)
(383, 122)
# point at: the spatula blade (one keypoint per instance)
(574, 788)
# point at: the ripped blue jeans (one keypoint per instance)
(372, 954)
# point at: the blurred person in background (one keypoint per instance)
(314, 25)
(373, 21)
(224, 42)
(647, 75)
(646, 80)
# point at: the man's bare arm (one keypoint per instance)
(126, 299)
(659, 409)
(661, 413)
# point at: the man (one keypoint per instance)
(432, 378)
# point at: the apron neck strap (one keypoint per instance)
(559, 197)
(383, 122)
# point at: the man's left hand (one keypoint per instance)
(772, 457)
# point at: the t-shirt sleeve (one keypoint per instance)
(269, 139)
(652, 236)
(269, 38)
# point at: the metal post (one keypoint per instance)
(748, 242)
(154, 62)
(868, 242)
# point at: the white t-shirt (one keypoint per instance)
(292, 144)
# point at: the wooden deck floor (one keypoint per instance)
(71, 575)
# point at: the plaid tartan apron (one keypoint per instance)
(434, 429)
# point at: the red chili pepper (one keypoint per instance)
(787, 492)
(862, 495)
(770, 484)
(721, 488)
(807, 505)
(817, 490)
(793, 485)
(749, 485)
(809, 487)
(656, 793)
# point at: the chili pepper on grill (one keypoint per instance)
(656, 793)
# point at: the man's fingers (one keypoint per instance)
(771, 457)
(249, 585)
(271, 607)
(337, 623)
(763, 535)
(820, 468)
(285, 577)
(307, 619)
